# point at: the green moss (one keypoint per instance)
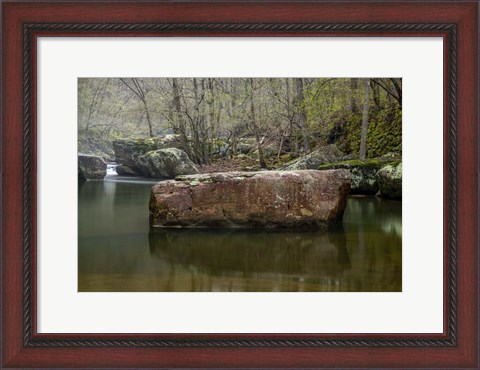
(390, 181)
(352, 163)
(384, 133)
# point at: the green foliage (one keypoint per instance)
(215, 114)
(384, 134)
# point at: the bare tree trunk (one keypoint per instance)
(211, 107)
(204, 129)
(199, 131)
(261, 157)
(138, 90)
(180, 119)
(301, 114)
(290, 116)
(281, 145)
(230, 110)
(196, 125)
(288, 108)
(353, 90)
(398, 89)
(383, 83)
(150, 130)
(376, 94)
(363, 139)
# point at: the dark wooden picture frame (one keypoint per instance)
(456, 22)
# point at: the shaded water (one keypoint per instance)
(116, 251)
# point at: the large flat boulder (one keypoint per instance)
(91, 167)
(251, 199)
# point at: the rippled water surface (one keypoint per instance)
(118, 253)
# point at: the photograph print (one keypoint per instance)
(240, 184)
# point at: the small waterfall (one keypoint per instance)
(113, 176)
(111, 169)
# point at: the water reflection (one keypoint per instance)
(252, 254)
(117, 252)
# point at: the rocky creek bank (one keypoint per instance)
(161, 157)
(378, 176)
(374, 176)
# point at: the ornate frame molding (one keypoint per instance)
(29, 30)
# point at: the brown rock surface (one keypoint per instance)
(300, 198)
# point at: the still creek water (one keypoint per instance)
(116, 251)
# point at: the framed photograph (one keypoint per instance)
(240, 184)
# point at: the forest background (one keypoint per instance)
(262, 122)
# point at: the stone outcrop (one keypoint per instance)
(251, 199)
(127, 151)
(245, 145)
(123, 170)
(363, 174)
(389, 180)
(326, 154)
(165, 164)
(91, 167)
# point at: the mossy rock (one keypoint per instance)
(127, 150)
(353, 163)
(389, 179)
(363, 174)
(311, 161)
(166, 164)
(91, 167)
